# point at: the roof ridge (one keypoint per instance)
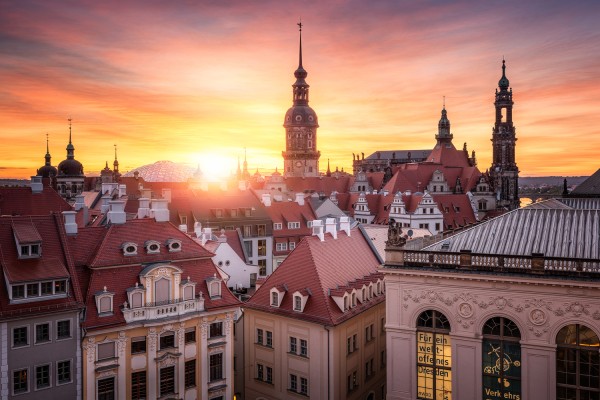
(101, 247)
(314, 266)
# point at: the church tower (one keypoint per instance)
(504, 173)
(301, 157)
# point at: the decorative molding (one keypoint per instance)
(465, 310)
(90, 348)
(537, 317)
(121, 343)
(152, 338)
(181, 334)
(204, 329)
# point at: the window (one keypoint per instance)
(260, 372)
(501, 359)
(277, 226)
(46, 288)
(353, 299)
(105, 304)
(33, 290)
(20, 381)
(355, 342)
(262, 248)
(434, 359)
(216, 329)
(106, 389)
(269, 339)
(352, 381)
(138, 385)
(269, 375)
(293, 383)
(190, 373)
(293, 225)
(303, 348)
(18, 291)
(297, 303)
(42, 333)
(275, 299)
(42, 376)
(293, 345)
(138, 345)
(190, 336)
(63, 372)
(281, 246)
(259, 336)
(577, 363)
(304, 386)
(216, 367)
(247, 230)
(167, 341)
(167, 380)
(63, 329)
(369, 333)
(261, 230)
(20, 336)
(292, 245)
(106, 350)
(348, 345)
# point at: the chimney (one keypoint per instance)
(385, 192)
(107, 188)
(317, 229)
(159, 210)
(166, 194)
(198, 229)
(333, 197)
(183, 228)
(345, 224)
(70, 224)
(116, 215)
(222, 238)
(122, 190)
(300, 198)
(330, 227)
(86, 215)
(266, 199)
(105, 207)
(79, 202)
(206, 235)
(144, 207)
(36, 184)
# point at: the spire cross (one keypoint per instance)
(70, 120)
(300, 25)
(47, 148)
(300, 51)
(115, 151)
(444, 102)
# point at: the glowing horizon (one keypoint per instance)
(198, 83)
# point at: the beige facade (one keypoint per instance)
(162, 357)
(346, 361)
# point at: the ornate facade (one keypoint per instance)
(504, 172)
(301, 157)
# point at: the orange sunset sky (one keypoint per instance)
(199, 81)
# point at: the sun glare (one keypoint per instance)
(216, 167)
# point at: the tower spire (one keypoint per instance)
(300, 52)
(47, 157)
(70, 147)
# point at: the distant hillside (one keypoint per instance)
(538, 181)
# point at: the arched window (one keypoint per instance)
(501, 359)
(577, 363)
(161, 293)
(434, 358)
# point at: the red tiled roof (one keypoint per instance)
(21, 201)
(290, 211)
(25, 232)
(460, 212)
(321, 184)
(123, 272)
(138, 231)
(55, 262)
(320, 267)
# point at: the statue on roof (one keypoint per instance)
(395, 236)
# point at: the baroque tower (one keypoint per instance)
(301, 157)
(504, 173)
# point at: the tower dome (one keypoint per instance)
(70, 166)
(503, 83)
(47, 170)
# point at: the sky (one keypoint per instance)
(203, 82)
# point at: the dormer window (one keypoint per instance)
(104, 302)
(353, 299)
(300, 299)
(174, 245)
(364, 294)
(293, 225)
(277, 226)
(214, 287)
(219, 213)
(345, 302)
(136, 296)
(233, 212)
(27, 239)
(188, 289)
(129, 249)
(152, 246)
(297, 303)
(30, 250)
(276, 296)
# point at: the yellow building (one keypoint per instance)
(315, 327)
(159, 319)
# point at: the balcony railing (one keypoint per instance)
(466, 260)
(162, 309)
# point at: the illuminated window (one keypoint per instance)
(501, 359)
(434, 359)
(577, 363)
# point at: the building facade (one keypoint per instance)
(315, 327)
(509, 309)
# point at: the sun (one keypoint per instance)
(214, 167)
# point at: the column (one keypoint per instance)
(466, 367)
(151, 364)
(538, 372)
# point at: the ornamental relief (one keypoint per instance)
(537, 311)
(152, 335)
(204, 329)
(121, 343)
(90, 347)
(167, 362)
(181, 334)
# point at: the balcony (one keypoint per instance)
(163, 309)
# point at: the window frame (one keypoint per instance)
(48, 377)
(27, 387)
(70, 331)
(27, 339)
(216, 370)
(139, 387)
(48, 325)
(189, 374)
(59, 382)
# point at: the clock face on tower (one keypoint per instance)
(298, 163)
